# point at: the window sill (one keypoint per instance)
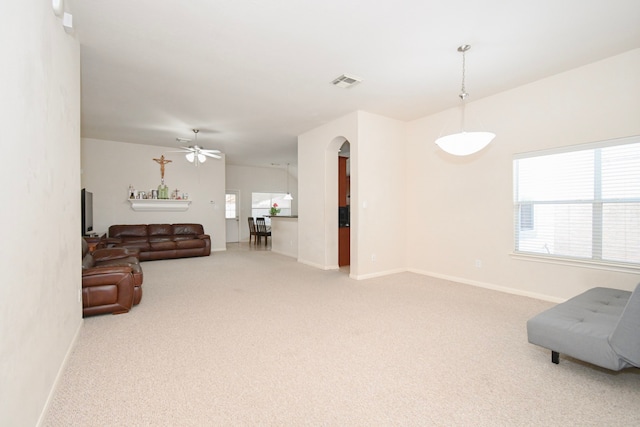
(609, 266)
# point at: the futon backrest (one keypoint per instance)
(625, 339)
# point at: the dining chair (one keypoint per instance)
(252, 230)
(263, 230)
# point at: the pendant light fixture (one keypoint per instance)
(288, 196)
(464, 143)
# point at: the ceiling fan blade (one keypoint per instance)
(215, 156)
(179, 151)
(189, 149)
(210, 151)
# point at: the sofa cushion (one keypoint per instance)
(189, 244)
(130, 230)
(187, 229)
(162, 245)
(140, 245)
(159, 230)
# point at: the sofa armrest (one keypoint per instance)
(98, 295)
(106, 270)
(204, 237)
(114, 253)
(625, 339)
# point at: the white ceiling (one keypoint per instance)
(252, 75)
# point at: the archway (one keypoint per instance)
(336, 235)
(344, 198)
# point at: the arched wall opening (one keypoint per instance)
(332, 221)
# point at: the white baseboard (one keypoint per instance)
(377, 274)
(321, 267)
(61, 370)
(275, 251)
(488, 286)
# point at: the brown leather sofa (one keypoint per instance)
(161, 241)
(111, 280)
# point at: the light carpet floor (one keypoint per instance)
(253, 338)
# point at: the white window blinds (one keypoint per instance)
(580, 202)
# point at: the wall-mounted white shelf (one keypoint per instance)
(159, 204)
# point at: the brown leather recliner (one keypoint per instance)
(111, 280)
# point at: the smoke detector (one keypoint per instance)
(346, 81)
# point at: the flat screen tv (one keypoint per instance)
(87, 212)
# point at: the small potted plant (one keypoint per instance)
(274, 210)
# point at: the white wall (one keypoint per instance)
(109, 167)
(378, 184)
(249, 179)
(318, 190)
(40, 313)
(460, 210)
(378, 193)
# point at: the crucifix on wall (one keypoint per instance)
(162, 161)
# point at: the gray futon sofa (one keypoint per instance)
(600, 326)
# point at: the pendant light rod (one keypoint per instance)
(288, 196)
(463, 91)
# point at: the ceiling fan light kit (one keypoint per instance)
(464, 143)
(194, 153)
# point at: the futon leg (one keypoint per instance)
(555, 357)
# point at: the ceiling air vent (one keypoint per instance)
(346, 81)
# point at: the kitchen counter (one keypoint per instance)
(284, 235)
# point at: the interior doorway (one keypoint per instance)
(232, 215)
(344, 205)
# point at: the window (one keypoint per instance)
(526, 216)
(231, 206)
(261, 203)
(580, 202)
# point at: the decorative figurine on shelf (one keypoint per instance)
(274, 210)
(163, 190)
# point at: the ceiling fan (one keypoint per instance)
(195, 153)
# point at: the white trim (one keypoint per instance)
(275, 251)
(321, 267)
(572, 262)
(377, 274)
(579, 147)
(63, 367)
(490, 286)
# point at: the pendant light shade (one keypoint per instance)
(288, 196)
(464, 143)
